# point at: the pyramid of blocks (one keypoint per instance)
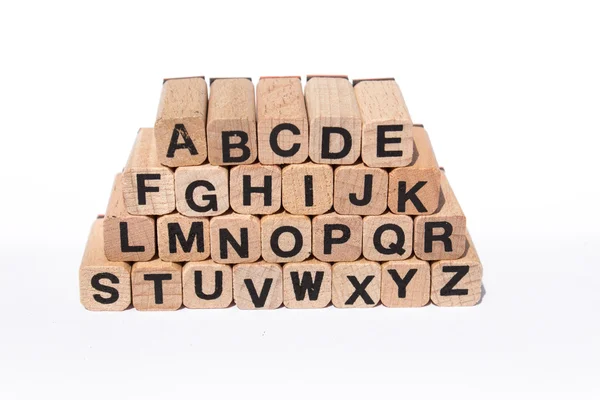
(285, 197)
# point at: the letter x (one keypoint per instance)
(360, 290)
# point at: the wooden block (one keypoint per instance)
(387, 237)
(457, 282)
(202, 191)
(127, 237)
(257, 286)
(285, 237)
(103, 285)
(356, 284)
(334, 121)
(441, 236)
(337, 237)
(207, 284)
(405, 283)
(307, 284)
(386, 124)
(156, 285)
(255, 189)
(415, 190)
(360, 190)
(282, 122)
(148, 186)
(235, 238)
(307, 189)
(180, 127)
(231, 126)
(182, 238)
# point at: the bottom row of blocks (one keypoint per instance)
(161, 285)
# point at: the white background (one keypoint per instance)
(509, 93)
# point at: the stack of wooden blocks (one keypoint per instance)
(195, 220)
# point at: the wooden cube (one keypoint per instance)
(207, 284)
(307, 189)
(282, 122)
(334, 120)
(405, 283)
(360, 190)
(255, 189)
(457, 282)
(180, 127)
(127, 237)
(441, 236)
(337, 237)
(257, 286)
(182, 238)
(103, 285)
(231, 124)
(148, 186)
(202, 191)
(387, 237)
(235, 238)
(386, 124)
(307, 284)
(286, 237)
(415, 190)
(356, 284)
(156, 286)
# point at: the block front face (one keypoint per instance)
(231, 126)
(255, 189)
(440, 237)
(387, 139)
(235, 238)
(414, 191)
(286, 237)
(282, 122)
(307, 189)
(334, 121)
(129, 238)
(356, 284)
(387, 237)
(156, 286)
(307, 284)
(457, 282)
(257, 286)
(207, 284)
(105, 287)
(202, 191)
(405, 283)
(180, 123)
(182, 238)
(360, 190)
(149, 191)
(337, 237)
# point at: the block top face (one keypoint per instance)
(381, 101)
(183, 98)
(280, 99)
(143, 155)
(231, 99)
(116, 204)
(423, 154)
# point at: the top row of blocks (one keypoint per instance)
(333, 122)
